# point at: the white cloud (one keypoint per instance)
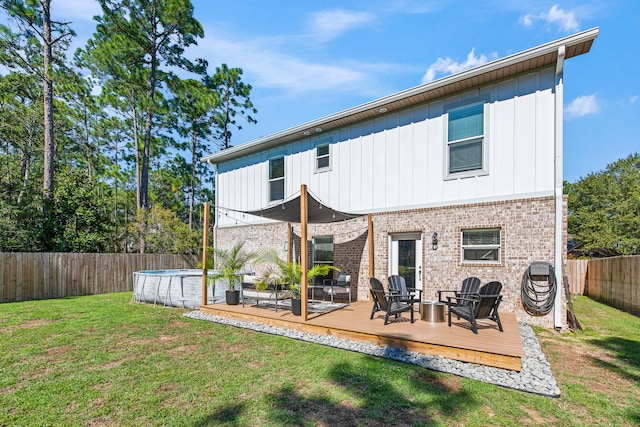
(566, 21)
(329, 24)
(76, 9)
(449, 66)
(267, 67)
(582, 106)
(527, 20)
(633, 99)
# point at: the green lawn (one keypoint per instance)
(101, 360)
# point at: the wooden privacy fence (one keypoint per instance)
(577, 275)
(613, 281)
(31, 276)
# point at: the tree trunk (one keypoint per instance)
(25, 168)
(49, 146)
(193, 179)
(115, 188)
(146, 150)
(136, 144)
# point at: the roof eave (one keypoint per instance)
(575, 45)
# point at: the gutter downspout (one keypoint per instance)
(215, 205)
(559, 310)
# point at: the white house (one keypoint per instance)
(462, 177)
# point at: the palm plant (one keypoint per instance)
(289, 273)
(231, 263)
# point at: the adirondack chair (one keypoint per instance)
(483, 305)
(398, 285)
(391, 304)
(470, 286)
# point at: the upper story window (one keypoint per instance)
(481, 245)
(465, 139)
(323, 157)
(276, 179)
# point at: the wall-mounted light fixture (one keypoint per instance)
(434, 241)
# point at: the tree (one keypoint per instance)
(154, 34)
(134, 51)
(194, 105)
(165, 232)
(20, 165)
(234, 100)
(81, 213)
(33, 18)
(604, 209)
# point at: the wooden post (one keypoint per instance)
(304, 217)
(372, 266)
(205, 241)
(289, 243)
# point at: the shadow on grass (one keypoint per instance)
(228, 415)
(627, 352)
(373, 401)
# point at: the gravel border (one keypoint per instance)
(535, 377)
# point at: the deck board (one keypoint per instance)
(489, 347)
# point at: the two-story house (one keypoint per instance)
(460, 177)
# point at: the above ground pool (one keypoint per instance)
(179, 288)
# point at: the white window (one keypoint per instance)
(481, 245)
(323, 157)
(465, 140)
(276, 179)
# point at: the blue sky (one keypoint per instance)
(308, 59)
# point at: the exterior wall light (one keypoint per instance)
(434, 241)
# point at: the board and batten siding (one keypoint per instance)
(397, 161)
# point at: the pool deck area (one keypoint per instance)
(489, 347)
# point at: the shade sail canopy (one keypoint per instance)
(289, 211)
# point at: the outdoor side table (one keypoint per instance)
(432, 311)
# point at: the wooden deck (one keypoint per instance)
(489, 347)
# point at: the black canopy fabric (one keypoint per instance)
(289, 211)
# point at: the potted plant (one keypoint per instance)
(289, 274)
(231, 264)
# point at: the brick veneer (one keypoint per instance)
(527, 235)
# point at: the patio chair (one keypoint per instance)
(391, 304)
(340, 286)
(470, 286)
(398, 284)
(483, 305)
(251, 289)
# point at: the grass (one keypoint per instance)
(102, 361)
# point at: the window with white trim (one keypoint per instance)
(465, 139)
(481, 245)
(323, 157)
(276, 179)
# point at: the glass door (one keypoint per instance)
(405, 258)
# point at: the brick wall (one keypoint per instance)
(527, 235)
